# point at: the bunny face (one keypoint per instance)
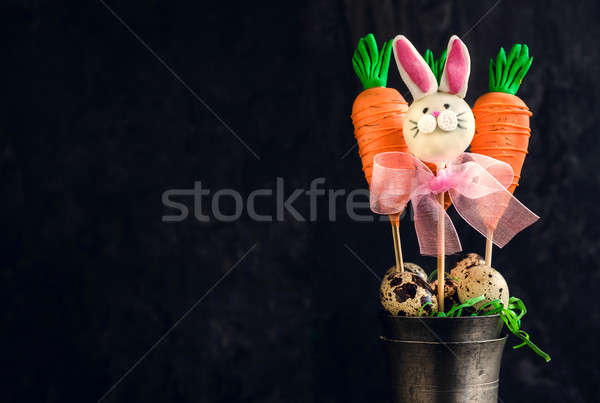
(438, 128)
(439, 125)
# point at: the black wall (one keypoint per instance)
(95, 128)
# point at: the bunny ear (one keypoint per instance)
(415, 72)
(457, 69)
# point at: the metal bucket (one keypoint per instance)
(449, 360)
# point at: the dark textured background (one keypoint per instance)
(95, 128)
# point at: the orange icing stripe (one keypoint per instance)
(502, 130)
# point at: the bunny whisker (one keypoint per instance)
(458, 114)
(461, 126)
(415, 135)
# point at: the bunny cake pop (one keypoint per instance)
(439, 124)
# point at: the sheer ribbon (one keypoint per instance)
(476, 184)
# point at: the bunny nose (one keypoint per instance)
(435, 114)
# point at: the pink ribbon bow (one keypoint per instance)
(477, 187)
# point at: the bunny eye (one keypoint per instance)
(425, 110)
(446, 106)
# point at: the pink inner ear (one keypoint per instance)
(412, 65)
(456, 67)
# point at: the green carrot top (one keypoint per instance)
(370, 65)
(506, 74)
(436, 66)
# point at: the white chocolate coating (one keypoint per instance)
(442, 145)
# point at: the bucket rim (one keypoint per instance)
(387, 315)
(387, 339)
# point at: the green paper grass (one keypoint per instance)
(511, 315)
(506, 74)
(455, 311)
(370, 65)
(512, 319)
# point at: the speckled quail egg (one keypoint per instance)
(403, 294)
(483, 280)
(415, 269)
(464, 263)
(450, 291)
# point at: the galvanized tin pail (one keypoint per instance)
(449, 360)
